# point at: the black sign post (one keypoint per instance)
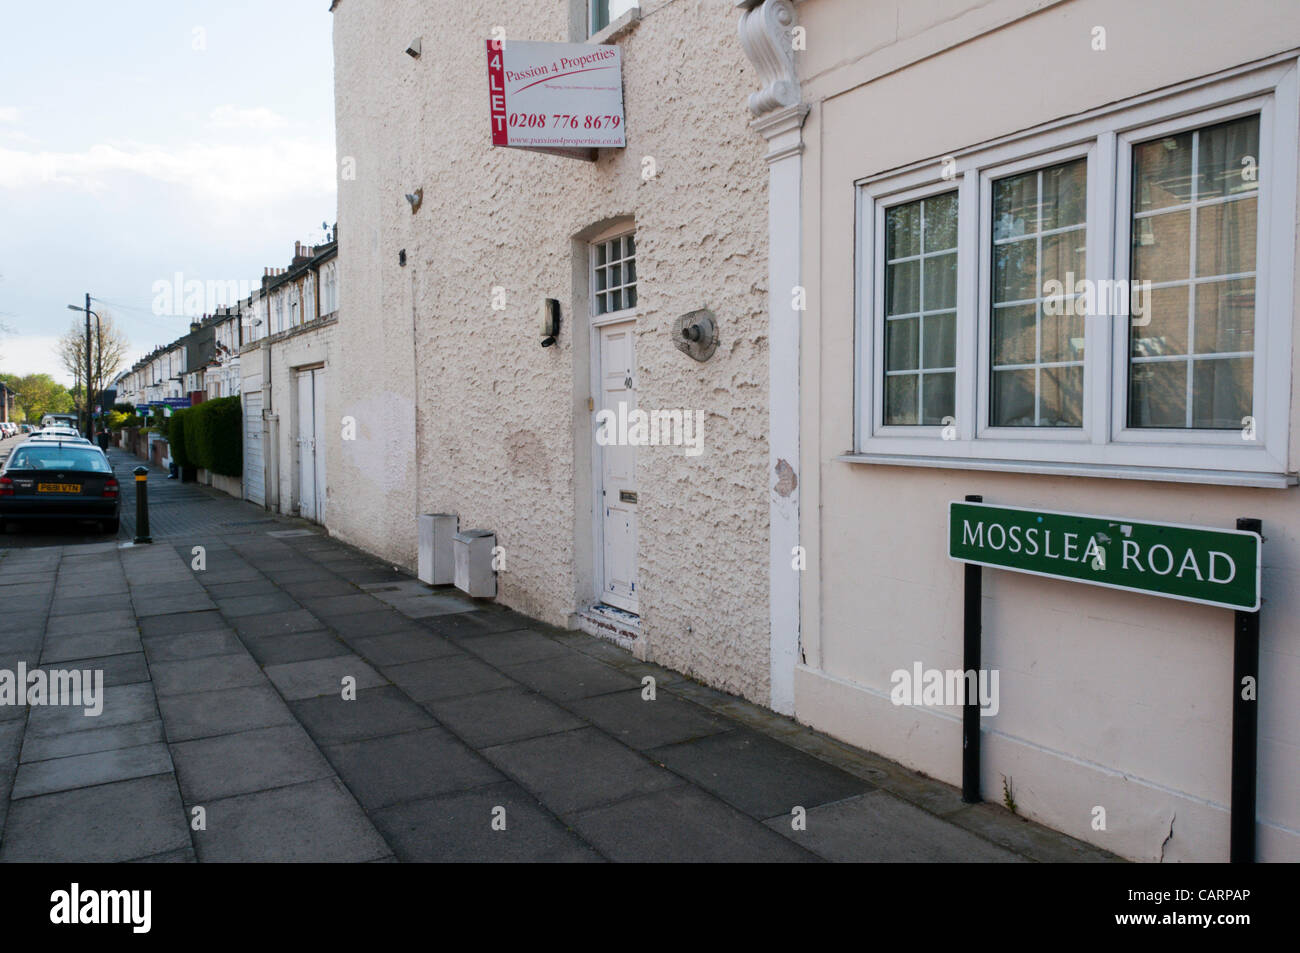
(970, 713)
(1245, 723)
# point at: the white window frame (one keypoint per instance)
(1104, 445)
(623, 314)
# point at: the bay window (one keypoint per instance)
(1108, 295)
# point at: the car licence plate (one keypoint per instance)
(58, 488)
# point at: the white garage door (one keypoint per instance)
(254, 467)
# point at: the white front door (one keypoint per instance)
(617, 494)
(310, 444)
(254, 472)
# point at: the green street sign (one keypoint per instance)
(1215, 567)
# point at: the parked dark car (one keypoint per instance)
(51, 480)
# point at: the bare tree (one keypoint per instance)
(108, 349)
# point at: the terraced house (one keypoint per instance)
(894, 254)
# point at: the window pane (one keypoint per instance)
(941, 222)
(1015, 206)
(900, 344)
(1013, 399)
(902, 294)
(1062, 397)
(1014, 334)
(924, 281)
(1225, 238)
(629, 296)
(1228, 159)
(1161, 246)
(1044, 271)
(903, 231)
(1062, 337)
(940, 340)
(1065, 195)
(900, 399)
(1225, 317)
(615, 301)
(1158, 394)
(1221, 390)
(1015, 271)
(631, 244)
(938, 398)
(1216, 174)
(1167, 173)
(940, 282)
(600, 254)
(1165, 332)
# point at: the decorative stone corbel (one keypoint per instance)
(767, 37)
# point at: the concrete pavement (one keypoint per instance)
(275, 695)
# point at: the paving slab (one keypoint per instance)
(409, 766)
(183, 623)
(295, 647)
(682, 825)
(314, 822)
(879, 828)
(571, 676)
(92, 644)
(255, 760)
(123, 705)
(410, 645)
(122, 669)
(503, 649)
(457, 828)
(206, 674)
(171, 648)
(206, 714)
(573, 770)
(94, 620)
(322, 676)
(256, 604)
(759, 775)
(375, 712)
(497, 717)
(644, 724)
(462, 624)
(64, 604)
(103, 824)
(379, 622)
(108, 738)
(277, 623)
(445, 678)
(35, 778)
(335, 605)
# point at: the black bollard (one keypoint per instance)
(142, 505)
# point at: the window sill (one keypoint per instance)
(1103, 471)
(621, 27)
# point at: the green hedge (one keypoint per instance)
(176, 441)
(210, 436)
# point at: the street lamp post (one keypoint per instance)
(90, 418)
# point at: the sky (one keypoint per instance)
(145, 138)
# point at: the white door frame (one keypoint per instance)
(595, 323)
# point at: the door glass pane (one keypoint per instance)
(920, 272)
(1040, 264)
(1194, 238)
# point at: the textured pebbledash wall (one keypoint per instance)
(499, 425)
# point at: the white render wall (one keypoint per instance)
(503, 435)
(1107, 698)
